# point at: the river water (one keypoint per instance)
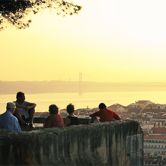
(91, 100)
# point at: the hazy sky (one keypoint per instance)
(110, 40)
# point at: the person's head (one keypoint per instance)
(70, 108)
(20, 97)
(102, 106)
(10, 106)
(53, 109)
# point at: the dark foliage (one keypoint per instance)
(18, 12)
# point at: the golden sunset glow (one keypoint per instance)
(108, 41)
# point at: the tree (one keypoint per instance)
(17, 12)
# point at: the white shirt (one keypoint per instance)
(23, 111)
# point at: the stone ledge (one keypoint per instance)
(117, 143)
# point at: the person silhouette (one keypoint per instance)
(71, 119)
(8, 121)
(104, 114)
(54, 119)
(24, 110)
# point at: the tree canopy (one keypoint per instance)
(19, 12)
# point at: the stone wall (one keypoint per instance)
(103, 144)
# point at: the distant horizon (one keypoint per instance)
(60, 86)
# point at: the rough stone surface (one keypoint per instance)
(117, 143)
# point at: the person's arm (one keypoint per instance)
(116, 116)
(26, 105)
(94, 116)
(18, 116)
(29, 105)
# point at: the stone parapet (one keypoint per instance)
(117, 143)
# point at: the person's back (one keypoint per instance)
(8, 121)
(54, 119)
(104, 114)
(71, 119)
(107, 115)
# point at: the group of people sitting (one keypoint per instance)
(55, 120)
(19, 115)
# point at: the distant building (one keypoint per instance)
(159, 130)
(155, 148)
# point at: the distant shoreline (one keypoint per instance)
(37, 87)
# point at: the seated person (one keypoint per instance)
(24, 110)
(54, 119)
(8, 121)
(71, 119)
(104, 114)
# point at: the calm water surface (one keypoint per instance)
(90, 100)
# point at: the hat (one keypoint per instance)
(10, 105)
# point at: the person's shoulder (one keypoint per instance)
(26, 103)
(58, 116)
(73, 117)
(108, 109)
(2, 115)
(13, 118)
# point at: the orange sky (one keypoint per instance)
(110, 40)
